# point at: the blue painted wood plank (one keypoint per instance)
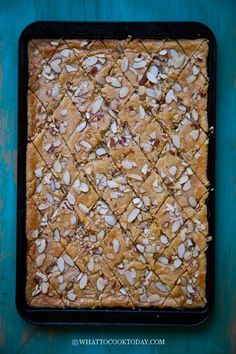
(218, 335)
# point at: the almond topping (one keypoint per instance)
(173, 170)
(97, 105)
(176, 141)
(177, 263)
(57, 166)
(71, 198)
(192, 202)
(68, 260)
(66, 178)
(61, 264)
(124, 64)
(83, 208)
(55, 65)
(71, 296)
(181, 250)
(110, 220)
(194, 134)
(100, 284)
(83, 281)
(123, 92)
(90, 265)
(81, 126)
(151, 78)
(133, 215)
(127, 165)
(56, 235)
(40, 259)
(116, 245)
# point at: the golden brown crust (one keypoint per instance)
(117, 173)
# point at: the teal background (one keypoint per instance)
(218, 335)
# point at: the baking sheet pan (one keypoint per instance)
(114, 30)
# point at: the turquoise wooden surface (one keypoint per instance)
(218, 336)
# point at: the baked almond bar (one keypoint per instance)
(117, 173)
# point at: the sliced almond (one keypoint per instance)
(139, 64)
(84, 187)
(191, 79)
(164, 239)
(150, 92)
(61, 264)
(176, 141)
(70, 68)
(163, 260)
(176, 225)
(71, 198)
(38, 172)
(144, 169)
(170, 96)
(100, 284)
(194, 134)
(66, 53)
(190, 289)
(162, 287)
(135, 176)
(68, 260)
(152, 78)
(127, 165)
(112, 184)
(66, 178)
(110, 220)
(183, 179)
(90, 61)
(83, 281)
(116, 245)
(40, 259)
(177, 263)
(57, 166)
(55, 91)
(133, 215)
(56, 235)
(55, 65)
(81, 126)
(194, 114)
(42, 276)
(101, 151)
(141, 112)
(83, 208)
(173, 170)
(187, 186)
(97, 105)
(192, 202)
(140, 248)
(71, 296)
(195, 70)
(163, 52)
(124, 64)
(114, 127)
(90, 264)
(44, 287)
(115, 82)
(130, 277)
(41, 246)
(181, 250)
(43, 206)
(85, 144)
(123, 92)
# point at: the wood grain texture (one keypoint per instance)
(218, 335)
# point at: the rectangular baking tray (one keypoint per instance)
(111, 30)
